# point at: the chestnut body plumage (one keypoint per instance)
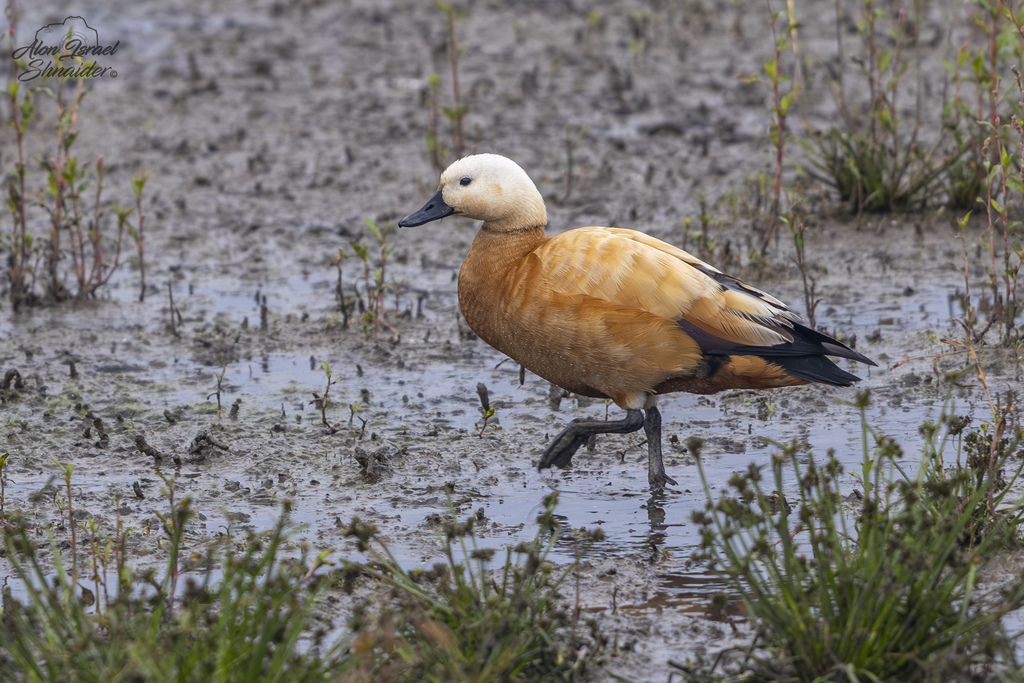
(614, 313)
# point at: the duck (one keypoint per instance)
(613, 313)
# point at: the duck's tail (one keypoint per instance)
(804, 357)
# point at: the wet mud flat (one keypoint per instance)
(272, 130)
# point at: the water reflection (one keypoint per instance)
(698, 593)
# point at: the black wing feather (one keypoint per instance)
(803, 357)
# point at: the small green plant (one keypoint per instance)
(797, 230)
(321, 401)
(460, 621)
(220, 383)
(136, 231)
(965, 178)
(780, 110)
(592, 25)
(640, 22)
(438, 152)
(66, 470)
(705, 244)
(354, 409)
(884, 591)
(71, 197)
(486, 410)
(20, 275)
(64, 181)
(375, 285)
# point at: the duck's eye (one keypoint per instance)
(465, 181)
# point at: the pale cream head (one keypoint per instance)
(494, 189)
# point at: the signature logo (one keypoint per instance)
(69, 49)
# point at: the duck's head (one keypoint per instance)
(486, 187)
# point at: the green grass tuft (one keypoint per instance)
(460, 621)
(880, 587)
(253, 619)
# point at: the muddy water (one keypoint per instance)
(415, 388)
(271, 130)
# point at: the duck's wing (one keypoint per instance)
(629, 268)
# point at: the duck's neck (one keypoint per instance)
(496, 251)
(484, 275)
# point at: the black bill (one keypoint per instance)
(434, 209)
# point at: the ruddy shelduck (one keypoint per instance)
(615, 313)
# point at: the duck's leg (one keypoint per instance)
(566, 444)
(656, 476)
